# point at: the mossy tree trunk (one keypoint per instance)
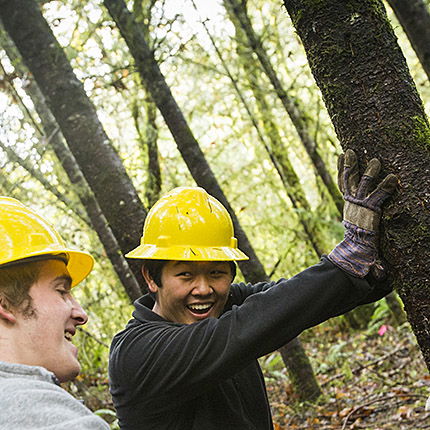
(78, 121)
(414, 17)
(247, 40)
(376, 110)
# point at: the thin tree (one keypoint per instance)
(187, 144)
(414, 17)
(354, 56)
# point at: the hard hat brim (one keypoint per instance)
(79, 264)
(187, 253)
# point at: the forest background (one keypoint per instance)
(272, 149)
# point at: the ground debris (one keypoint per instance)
(369, 381)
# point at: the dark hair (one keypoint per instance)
(155, 269)
(15, 283)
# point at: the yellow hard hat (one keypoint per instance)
(25, 234)
(188, 224)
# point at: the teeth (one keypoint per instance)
(199, 307)
(68, 335)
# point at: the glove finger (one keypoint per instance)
(372, 170)
(340, 173)
(383, 191)
(350, 173)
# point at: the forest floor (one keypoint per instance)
(369, 381)
(376, 379)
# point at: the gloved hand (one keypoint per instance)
(358, 252)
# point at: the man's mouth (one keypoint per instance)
(200, 308)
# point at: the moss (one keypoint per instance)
(421, 131)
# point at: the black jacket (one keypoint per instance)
(205, 376)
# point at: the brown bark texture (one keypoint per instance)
(414, 18)
(376, 111)
(77, 118)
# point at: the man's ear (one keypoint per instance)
(152, 286)
(5, 312)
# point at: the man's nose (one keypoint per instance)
(78, 313)
(202, 286)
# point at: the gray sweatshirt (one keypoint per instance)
(30, 399)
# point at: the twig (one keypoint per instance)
(389, 397)
(87, 333)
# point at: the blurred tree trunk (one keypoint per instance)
(292, 107)
(376, 110)
(414, 17)
(78, 121)
(151, 75)
(148, 133)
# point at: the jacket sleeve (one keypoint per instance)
(39, 405)
(158, 359)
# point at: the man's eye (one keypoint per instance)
(63, 292)
(184, 274)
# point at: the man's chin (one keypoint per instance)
(68, 374)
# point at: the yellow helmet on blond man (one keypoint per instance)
(25, 234)
(188, 224)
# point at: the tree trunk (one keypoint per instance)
(300, 371)
(77, 118)
(414, 17)
(291, 106)
(376, 110)
(357, 318)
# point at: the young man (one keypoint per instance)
(188, 358)
(38, 318)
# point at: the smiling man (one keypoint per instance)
(188, 358)
(38, 319)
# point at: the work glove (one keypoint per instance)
(357, 254)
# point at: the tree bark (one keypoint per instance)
(188, 146)
(300, 371)
(376, 110)
(414, 17)
(77, 118)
